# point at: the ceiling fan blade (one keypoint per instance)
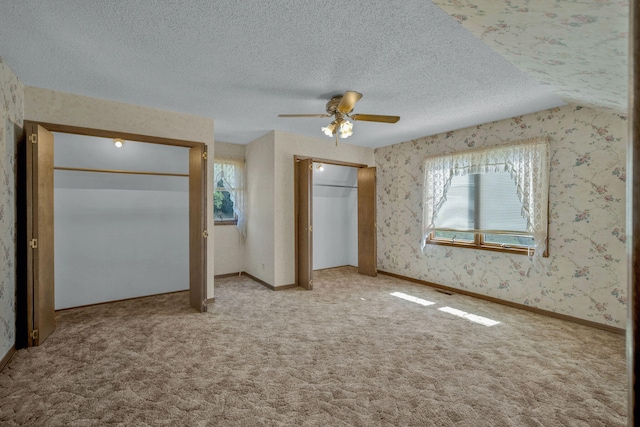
(348, 100)
(304, 115)
(375, 118)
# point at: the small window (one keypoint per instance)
(223, 205)
(228, 195)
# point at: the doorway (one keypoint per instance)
(304, 227)
(36, 311)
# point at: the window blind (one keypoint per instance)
(482, 203)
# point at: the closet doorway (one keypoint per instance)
(345, 210)
(38, 312)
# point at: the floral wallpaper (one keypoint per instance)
(585, 273)
(11, 113)
(578, 47)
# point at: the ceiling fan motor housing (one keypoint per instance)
(332, 105)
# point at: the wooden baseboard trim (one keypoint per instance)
(222, 276)
(7, 357)
(331, 268)
(121, 300)
(209, 301)
(255, 279)
(283, 287)
(536, 310)
(265, 284)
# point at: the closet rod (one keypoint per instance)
(60, 168)
(333, 185)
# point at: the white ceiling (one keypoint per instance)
(243, 62)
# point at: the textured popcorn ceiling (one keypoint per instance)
(244, 62)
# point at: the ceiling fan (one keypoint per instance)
(340, 107)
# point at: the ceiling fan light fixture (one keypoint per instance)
(346, 129)
(330, 129)
(340, 107)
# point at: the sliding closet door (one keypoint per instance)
(367, 238)
(304, 223)
(40, 266)
(197, 228)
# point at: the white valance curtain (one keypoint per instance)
(231, 171)
(526, 161)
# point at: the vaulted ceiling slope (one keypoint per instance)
(243, 62)
(577, 47)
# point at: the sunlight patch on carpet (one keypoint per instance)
(412, 299)
(474, 318)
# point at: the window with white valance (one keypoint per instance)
(489, 195)
(229, 192)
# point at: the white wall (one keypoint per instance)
(118, 244)
(119, 236)
(259, 246)
(332, 223)
(229, 252)
(50, 106)
(352, 228)
(226, 149)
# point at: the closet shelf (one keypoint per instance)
(336, 186)
(60, 168)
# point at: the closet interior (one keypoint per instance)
(335, 216)
(121, 219)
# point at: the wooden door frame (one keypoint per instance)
(111, 134)
(39, 227)
(303, 173)
(633, 217)
(297, 158)
(367, 222)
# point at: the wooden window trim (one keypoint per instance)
(226, 222)
(478, 243)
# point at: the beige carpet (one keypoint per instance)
(345, 354)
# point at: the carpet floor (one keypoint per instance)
(348, 353)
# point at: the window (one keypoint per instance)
(494, 198)
(485, 202)
(223, 205)
(228, 196)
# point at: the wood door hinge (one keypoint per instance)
(33, 243)
(204, 155)
(33, 138)
(205, 234)
(34, 334)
